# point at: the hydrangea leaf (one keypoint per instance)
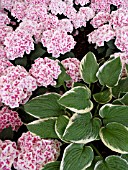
(89, 68)
(109, 73)
(52, 166)
(115, 137)
(45, 128)
(82, 128)
(77, 99)
(111, 163)
(76, 157)
(121, 87)
(60, 125)
(114, 113)
(45, 106)
(103, 97)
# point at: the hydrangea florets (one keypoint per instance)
(45, 71)
(16, 86)
(72, 66)
(17, 43)
(81, 2)
(4, 63)
(8, 152)
(9, 118)
(35, 152)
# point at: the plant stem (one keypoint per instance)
(96, 150)
(65, 88)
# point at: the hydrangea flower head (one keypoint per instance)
(45, 71)
(9, 118)
(4, 63)
(35, 152)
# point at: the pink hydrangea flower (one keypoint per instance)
(122, 38)
(16, 86)
(57, 7)
(39, 2)
(9, 118)
(82, 2)
(103, 33)
(100, 19)
(35, 152)
(7, 4)
(100, 5)
(8, 152)
(4, 30)
(4, 63)
(57, 42)
(4, 19)
(72, 66)
(45, 71)
(2, 52)
(17, 43)
(66, 25)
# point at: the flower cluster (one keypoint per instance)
(9, 118)
(57, 42)
(4, 30)
(8, 152)
(17, 43)
(35, 152)
(72, 66)
(81, 2)
(4, 63)
(16, 86)
(45, 71)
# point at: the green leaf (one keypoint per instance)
(38, 52)
(124, 156)
(62, 77)
(109, 73)
(7, 134)
(52, 166)
(121, 87)
(111, 44)
(45, 106)
(89, 68)
(114, 113)
(115, 137)
(112, 163)
(77, 99)
(45, 128)
(60, 126)
(124, 99)
(82, 128)
(21, 61)
(103, 97)
(95, 160)
(77, 157)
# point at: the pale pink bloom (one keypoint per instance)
(66, 25)
(57, 7)
(82, 2)
(57, 42)
(4, 30)
(35, 152)
(16, 86)
(45, 71)
(39, 2)
(8, 152)
(2, 52)
(70, 12)
(4, 64)
(9, 118)
(17, 43)
(122, 38)
(100, 35)
(100, 5)
(72, 66)
(4, 19)
(100, 19)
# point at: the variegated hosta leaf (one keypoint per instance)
(109, 73)
(76, 157)
(112, 163)
(45, 128)
(114, 113)
(77, 99)
(89, 68)
(52, 166)
(82, 128)
(115, 137)
(45, 106)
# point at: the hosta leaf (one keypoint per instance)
(77, 157)
(95, 160)
(109, 73)
(115, 137)
(103, 97)
(114, 113)
(125, 156)
(121, 87)
(60, 125)
(124, 99)
(111, 163)
(82, 128)
(45, 128)
(45, 106)
(77, 99)
(89, 68)
(52, 166)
